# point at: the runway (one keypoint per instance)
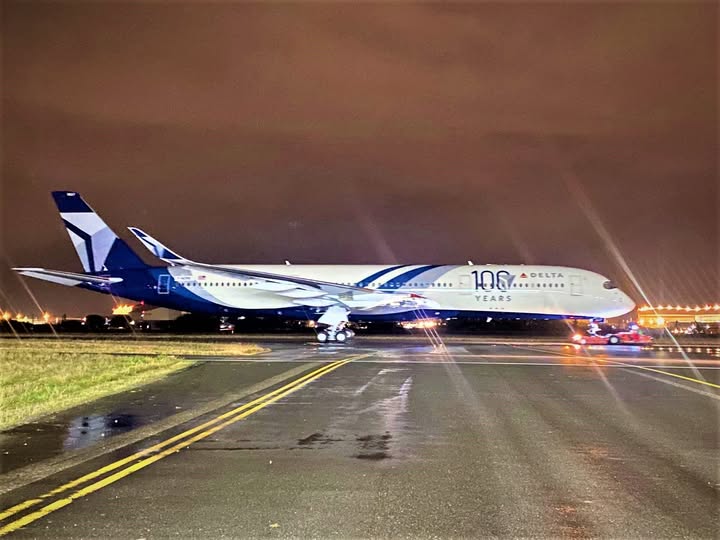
(385, 440)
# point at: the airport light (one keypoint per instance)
(419, 324)
(7, 315)
(123, 309)
(661, 307)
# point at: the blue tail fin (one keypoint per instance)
(99, 248)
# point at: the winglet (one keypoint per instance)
(157, 248)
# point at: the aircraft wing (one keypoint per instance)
(66, 278)
(309, 292)
(299, 290)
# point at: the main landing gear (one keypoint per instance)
(341, 336)
(336, 319)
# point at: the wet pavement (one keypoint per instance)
(408, 441)
(86, 425)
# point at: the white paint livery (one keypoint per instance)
(330, 294)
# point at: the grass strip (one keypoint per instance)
(41, 376)
(34, 383)
(148, 347)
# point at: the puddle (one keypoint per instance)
(92, 423)
(316, 440)
(374, 447)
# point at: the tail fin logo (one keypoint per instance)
(98, 247)
(91, 237)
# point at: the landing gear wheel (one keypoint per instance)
(614, 340)
(322, 337)
(341, 336)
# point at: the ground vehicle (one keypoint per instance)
(226, 327)
(629, 336)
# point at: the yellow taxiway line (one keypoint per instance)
(624, 364)
(684, 377)
(195, 434)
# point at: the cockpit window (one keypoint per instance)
(609, 285)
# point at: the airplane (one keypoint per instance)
(331, 295)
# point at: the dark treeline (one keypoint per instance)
(203, 324)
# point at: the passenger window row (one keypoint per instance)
(397, 285)
(221, 283)
(375, 285)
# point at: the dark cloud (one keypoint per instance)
(368, 133)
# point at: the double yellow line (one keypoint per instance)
(163, 449)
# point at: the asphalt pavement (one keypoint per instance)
(389, 441)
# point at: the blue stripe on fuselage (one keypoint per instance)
(403, 279)
(377, 275)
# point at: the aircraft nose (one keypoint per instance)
(626, 302)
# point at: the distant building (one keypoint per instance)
(681, 319)
(149, 317)
(160, 314)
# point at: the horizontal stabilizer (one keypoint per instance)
(66, 278)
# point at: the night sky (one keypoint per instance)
(582, 135)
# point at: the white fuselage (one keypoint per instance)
(505, 290)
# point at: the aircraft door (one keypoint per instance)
(576, 285)
(465, 284)
(163, 286)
